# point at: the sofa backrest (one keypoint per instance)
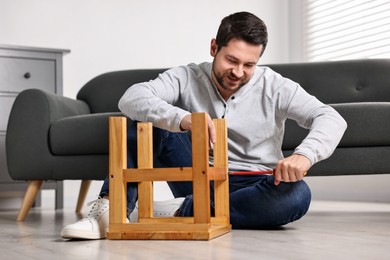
(103, 92)
(342, 81)
(358, 89)
(331, 82)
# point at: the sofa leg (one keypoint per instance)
(31, 194)
(83, 194)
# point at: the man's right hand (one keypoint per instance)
(186, 124)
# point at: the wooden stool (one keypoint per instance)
(199, 227)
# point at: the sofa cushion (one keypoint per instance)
(368, 124)
(88, 134)
(80, 135)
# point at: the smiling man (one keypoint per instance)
(233, 67)
(256, 102)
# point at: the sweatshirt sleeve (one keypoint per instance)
(154, 101)
(325, 124)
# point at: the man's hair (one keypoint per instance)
(242, 26)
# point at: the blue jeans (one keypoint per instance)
(255, 202)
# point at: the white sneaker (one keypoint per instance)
(93, 226)
(162, 209)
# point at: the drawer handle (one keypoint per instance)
(27, 75)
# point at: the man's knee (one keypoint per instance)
(299, 201)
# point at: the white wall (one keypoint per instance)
(123, 34)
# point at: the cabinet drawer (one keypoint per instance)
(6, 103)
(17, 74)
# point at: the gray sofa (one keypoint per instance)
(50, 137)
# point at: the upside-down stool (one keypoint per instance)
(202, 226)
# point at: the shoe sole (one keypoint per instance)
(80, 234)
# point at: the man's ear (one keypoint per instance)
(213, 47)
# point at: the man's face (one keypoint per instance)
(233, 65)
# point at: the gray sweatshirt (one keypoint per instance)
(255, 114)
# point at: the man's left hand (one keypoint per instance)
(291, 169)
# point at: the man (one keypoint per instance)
(256, 101)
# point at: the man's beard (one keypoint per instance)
(224, 85)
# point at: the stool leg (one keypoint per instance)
(145, 161)
(221, 187)
(117, 162)
(200, 168)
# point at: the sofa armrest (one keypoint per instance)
(27, 138)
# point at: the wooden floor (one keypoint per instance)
(329, 231)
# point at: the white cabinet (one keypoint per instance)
(24, 68)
